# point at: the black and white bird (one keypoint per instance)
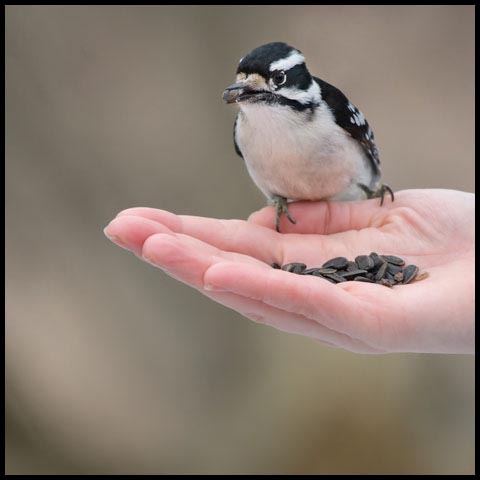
(300, 137)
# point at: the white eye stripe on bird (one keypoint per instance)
(295, 58)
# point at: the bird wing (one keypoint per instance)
(349, 117)
(235, 144)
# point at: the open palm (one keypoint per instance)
(229, 261)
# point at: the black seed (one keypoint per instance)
(377, 261)
(335, 277)
(381, 272)
(323, 271)
(364, 262)
(294, 267)
(394, 260)
(388, 275)
(387, 283)
(339, 263)
(382, 269)
(354, 273)
(351, 266)
(409, 273)
(391, 279)
(326, 278)
(393, 269)
(318, 271)
(363, 279)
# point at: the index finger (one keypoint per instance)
(230, 235)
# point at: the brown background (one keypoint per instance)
(113, 367)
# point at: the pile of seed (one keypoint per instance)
(387, 270)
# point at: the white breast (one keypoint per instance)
(298, 158)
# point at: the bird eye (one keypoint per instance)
(279, 78)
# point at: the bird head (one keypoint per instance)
(274, 73)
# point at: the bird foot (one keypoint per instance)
(280, 204)
(380, 192)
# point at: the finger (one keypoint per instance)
(325, 217)
(348, 309)
(259, 312)
(131, 232)
(230, 235)
(187, 258)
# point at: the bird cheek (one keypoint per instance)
(257, 82)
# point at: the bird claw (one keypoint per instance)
(281, 207)
(380, 192)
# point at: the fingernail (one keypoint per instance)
(213, 288)
(113, 238)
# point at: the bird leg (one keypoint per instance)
(380, 192)
(280, 204)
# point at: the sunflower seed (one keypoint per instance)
(351, 266)
(377, 261)
(294, 267)
(381, 269)
(393, 260)
(318, 271)
(388, 275)
(363, 279)
(393, 269)
(326, 278)
(381, 272)
(364, 262)
(387, 283)
(409, 273)
(354, 273)
(335, 277)
(339, 263)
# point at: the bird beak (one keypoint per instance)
(233, 92)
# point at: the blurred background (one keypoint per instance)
(113, 367)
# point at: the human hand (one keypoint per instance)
(229, 261)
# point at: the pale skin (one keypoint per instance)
(229, 262)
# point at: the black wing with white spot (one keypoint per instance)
(352, 120)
